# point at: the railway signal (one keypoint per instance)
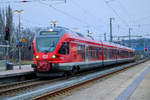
(7, 34)
(146, 49)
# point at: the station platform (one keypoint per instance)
(139, 89)
(142, 92)
(25, 69)
(131, 84)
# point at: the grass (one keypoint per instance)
(23, 62)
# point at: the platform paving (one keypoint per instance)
(25, 69)
(112, 87)
(142, 92)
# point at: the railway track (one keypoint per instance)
(16, 85)
(12, 89)
(60, 86)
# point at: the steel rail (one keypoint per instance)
(24, 85)
(15, 83)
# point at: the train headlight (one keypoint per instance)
(37, 57)
(51, 30)
(53, 56)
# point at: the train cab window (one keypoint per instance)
(62, 49)
(67, 47)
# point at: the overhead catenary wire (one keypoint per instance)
(121, 6)
(51, 5)
(67, 14)
(84, 10)
(87, 12)
(124, 8)
(115, 12)
(143, 18)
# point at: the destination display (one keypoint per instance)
(48, 33)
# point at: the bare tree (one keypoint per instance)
(2, 25)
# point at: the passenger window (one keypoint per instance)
(79, 49)
(100, 51)
(83, 52)
(105, 52)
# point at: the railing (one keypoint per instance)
(3, 52)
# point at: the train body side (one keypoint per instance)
(73, 52)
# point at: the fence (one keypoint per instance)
(3, 49)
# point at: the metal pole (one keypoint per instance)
(118, 39)
(19, 57)
(105, 37)
(129, 37)
(6, 54)
(19, 13)
(144, 46)
(19, 24)
(19, 46)
(111, 37)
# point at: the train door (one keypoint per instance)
(86, 53)
(73, 52)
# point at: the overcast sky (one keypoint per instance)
(86, 14)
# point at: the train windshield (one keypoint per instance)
(46, 44)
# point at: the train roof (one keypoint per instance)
(116, 45)
(62, 30)
(88, 39)
(79, 36)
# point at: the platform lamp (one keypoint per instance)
(19, 12)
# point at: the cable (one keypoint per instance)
(75, 18)
(141, 19)
(85, 11)
(107, 3)
(124, 8)
(18, 1)
(64, 13)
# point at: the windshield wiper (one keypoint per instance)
(46, 51)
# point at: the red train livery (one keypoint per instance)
(60, 50)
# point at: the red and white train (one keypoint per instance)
(60, 50)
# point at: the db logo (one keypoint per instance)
(45, 56)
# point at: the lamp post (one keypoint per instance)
(19, 13)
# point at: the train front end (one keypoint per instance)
(44, 46)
